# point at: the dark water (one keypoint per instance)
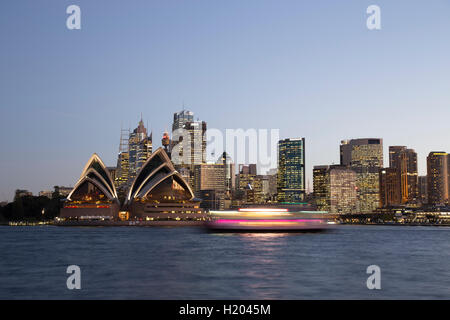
(185, 263)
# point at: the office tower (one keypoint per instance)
(246, 175)
(365, 157)
(291, 170)
(245, 181)
(139, 148)
(181, 118)
(197, 148)
(123, 161)
(321, 187)
(422, 188)
(230, 173)
(405, 162)
(390, 187)
(438, 180)
(335, 189)
(272, 177)
(210, 177)
(210, 185)
(189, 139)
(122, 170)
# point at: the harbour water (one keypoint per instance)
(186, 263)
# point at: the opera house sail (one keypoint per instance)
(94, 196)
(159, 192)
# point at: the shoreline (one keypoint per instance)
(162, 223)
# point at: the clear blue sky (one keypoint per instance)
(310, 68)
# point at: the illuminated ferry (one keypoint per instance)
(266, 220)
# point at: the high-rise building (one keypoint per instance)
(211, 185)
(122, 170)
(189, 139)
(321, 186)
(139, 148)
(181, 118)
(197, 147)
(335, 189)
(272, 180)
(365, 157)
(422, 188)
(230, 173)
(291, 170)
(123, 162)
(405, 162)
(209, 177)
(390, 187)
(438, 179)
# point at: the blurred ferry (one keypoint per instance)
(266, 220)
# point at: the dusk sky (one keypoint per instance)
(311, 69)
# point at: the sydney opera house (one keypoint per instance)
(94, 195)
(157, 193)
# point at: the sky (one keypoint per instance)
(308, 68)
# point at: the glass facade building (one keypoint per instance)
(291, 170)
(365, 157)
(438, 179)
(335, 189)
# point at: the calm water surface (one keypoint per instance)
(186, 263)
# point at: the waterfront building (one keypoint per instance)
(214, 200)
(405, 162)
(159, 192)
(438, 179)
(272, 178)
(422, 188)
(291, 170)
(335, 189)
(94, 196)
(390, 187)
(365, 157)
(321, 187)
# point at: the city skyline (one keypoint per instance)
(275, 70)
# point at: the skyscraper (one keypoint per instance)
(123, 162)
(181, 118)
(390, 187)
(365, 157)
(422, 189)
(230, 173)
(321, 187)
(189, 139)
(405, 162)
(291, 170)
(335, 189)
(140, 149)
(438, 179)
